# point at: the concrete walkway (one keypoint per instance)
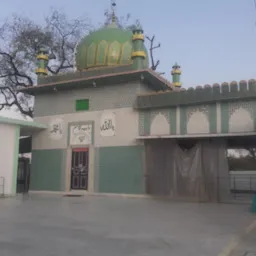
(246, 245)
(113, 226)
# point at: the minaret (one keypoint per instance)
(42, 59)
(176, 72)
(138, 53)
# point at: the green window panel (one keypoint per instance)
(82, 105)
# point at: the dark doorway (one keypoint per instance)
(79, 169)
(23, 174)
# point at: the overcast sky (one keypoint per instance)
(213, 40)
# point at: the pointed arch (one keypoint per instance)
(126, 53)
(241, 121)
(159, 125)
(102, 50)
(114, 53)
(91, 54)
(198, 123)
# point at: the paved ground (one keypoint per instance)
(114, 226)
(246, 245)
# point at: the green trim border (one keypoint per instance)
(183, 120)
(173, 120)
(224, 117)
(15, 160)
(7, 120)
(212, 117)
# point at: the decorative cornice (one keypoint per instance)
(42, 57)
(177, 84)
(41, 71)
(138, 37)
(176, 71)
(139, 54)
(155, 82)
(244, 90)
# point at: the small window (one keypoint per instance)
(82, 105)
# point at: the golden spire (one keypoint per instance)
(113, 5)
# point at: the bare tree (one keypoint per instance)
(152, 48)
(20, 39)
(124, 22)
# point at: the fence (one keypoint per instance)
(216, 189)
(236, 188)
(242, 186)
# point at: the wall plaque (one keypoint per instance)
(108, 124)
(80, 134)
(56, 128)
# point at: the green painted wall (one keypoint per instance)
(213, 118)
(173, 120)
(183, 120)
(121, 170)
(224, 117)
(48, 170)
(15, 160)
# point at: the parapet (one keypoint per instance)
(243, 90)
(62, 77)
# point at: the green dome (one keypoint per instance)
(108, 46)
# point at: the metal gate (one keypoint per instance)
(23, 174)
(79, 169)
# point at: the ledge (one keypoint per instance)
(200, 95)
(99, 71)
(205, 135)
(155, 82)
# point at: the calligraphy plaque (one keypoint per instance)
(80, 134)
(56, 128)
(108, 124)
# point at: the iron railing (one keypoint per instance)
(243, 184)
(222, 188)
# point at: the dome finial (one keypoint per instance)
(113, 5)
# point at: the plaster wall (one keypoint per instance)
(126, 129)
(100, 98)
(8, 158)
(115, 162)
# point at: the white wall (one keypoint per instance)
(7, 155)
(126, 129)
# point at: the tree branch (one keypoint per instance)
(10, 60)
(152, 47)
(14, 102)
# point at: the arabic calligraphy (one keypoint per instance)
(56, 129)
(81, 134)
(107, 124)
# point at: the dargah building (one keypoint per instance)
(115, 126)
